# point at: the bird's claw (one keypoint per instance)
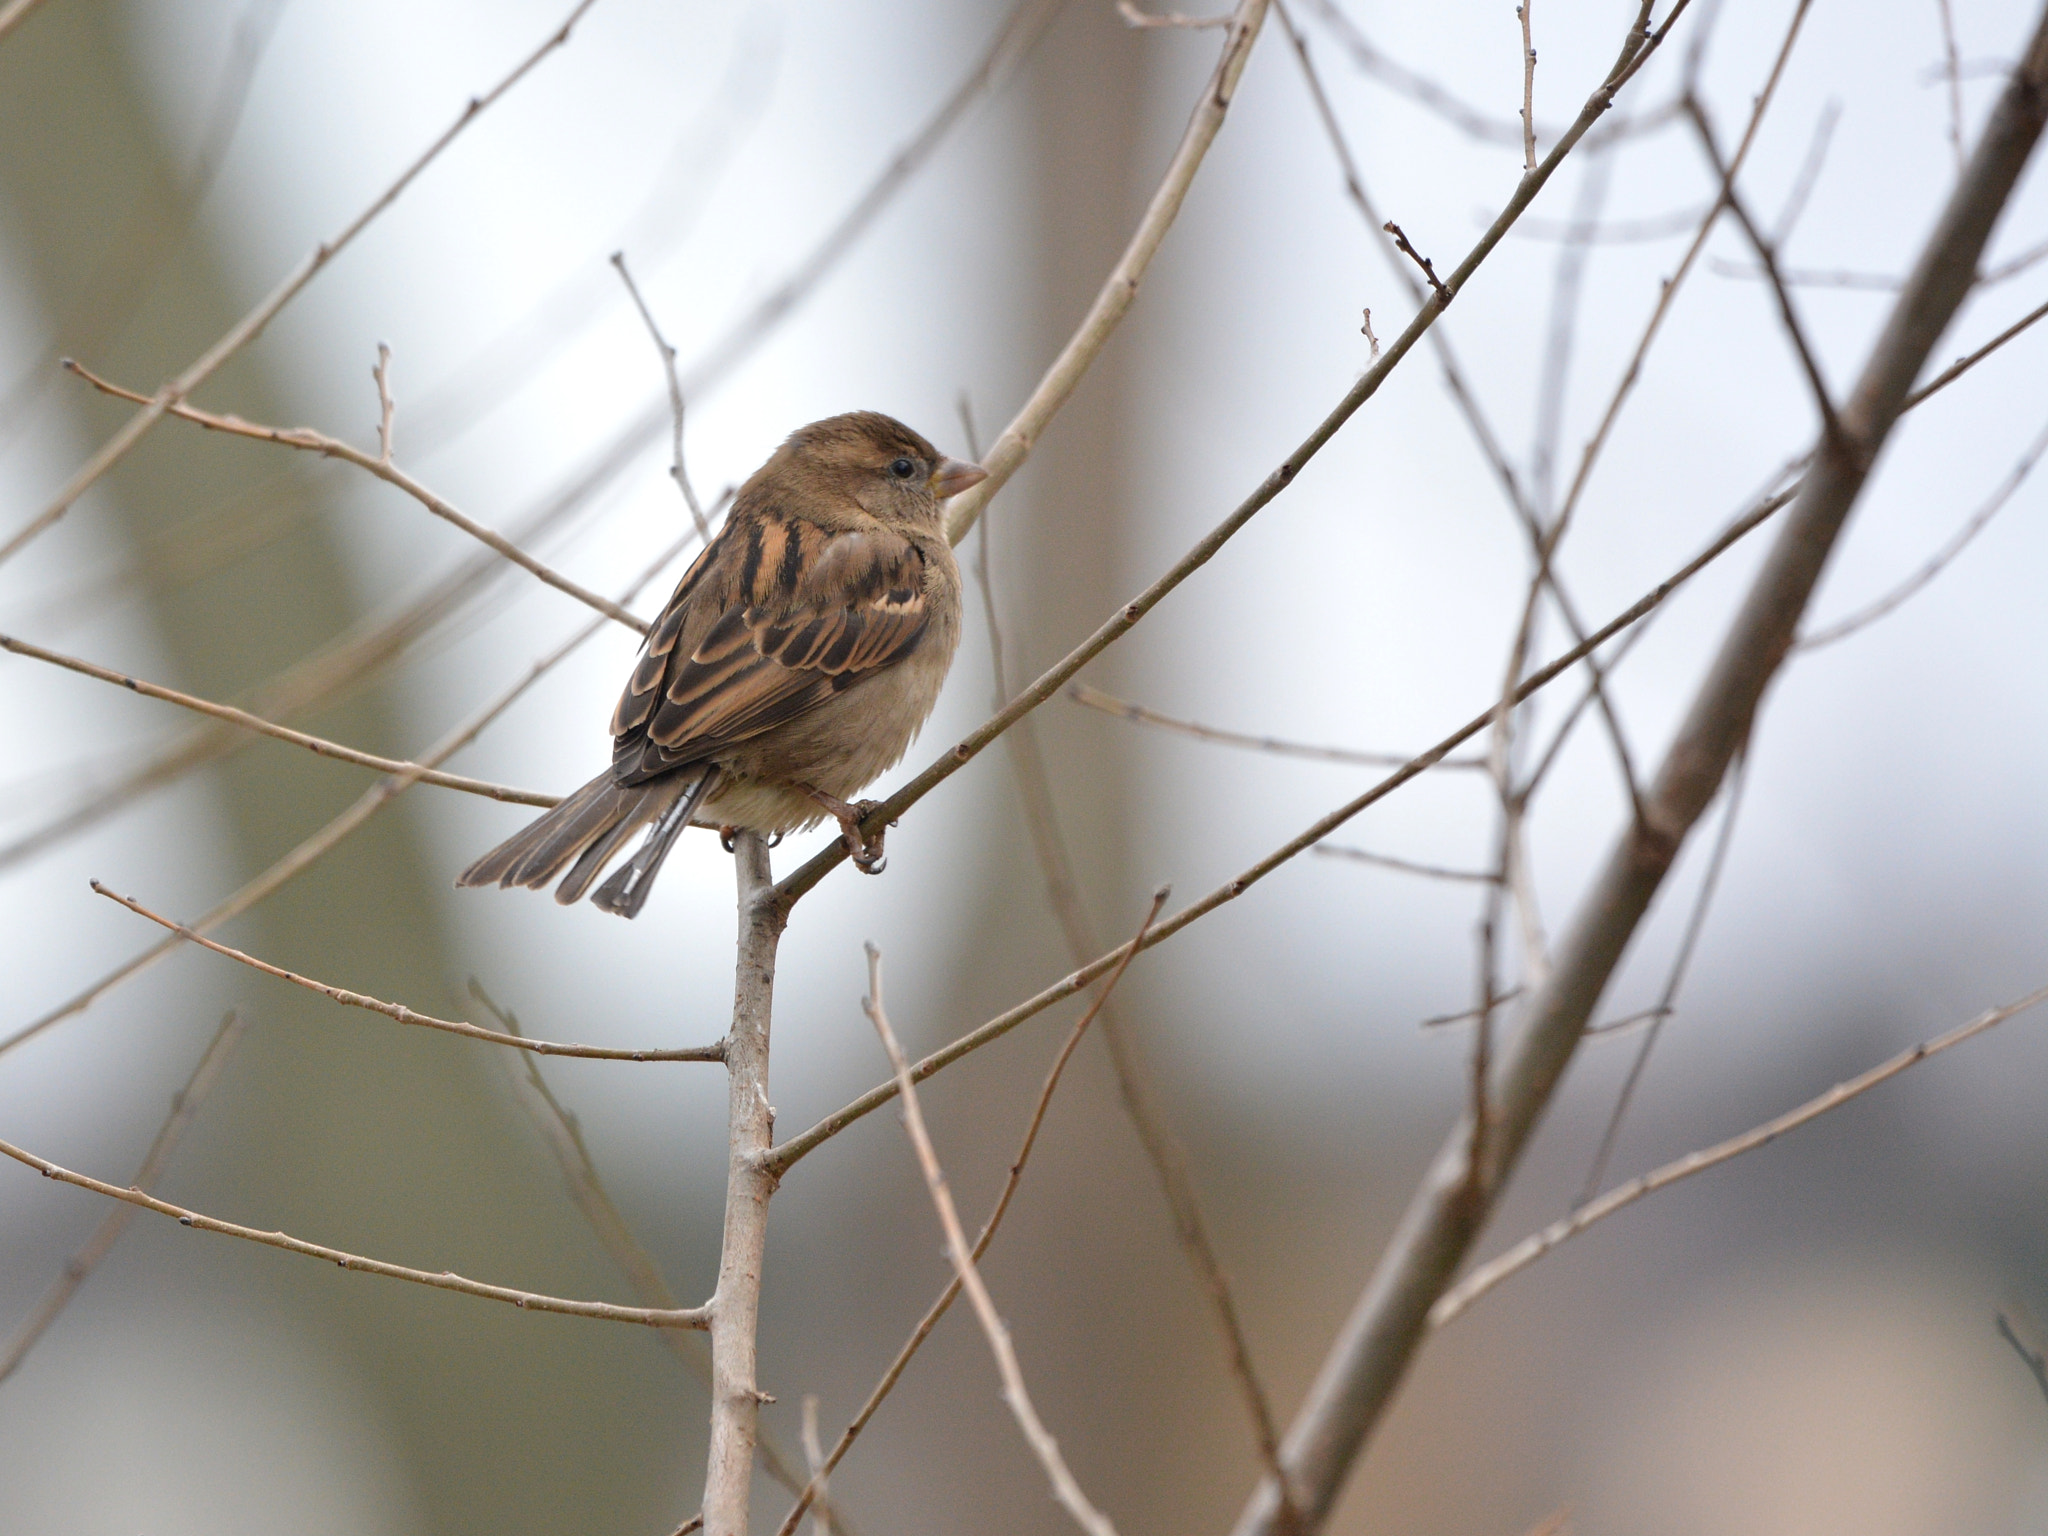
(867, 853)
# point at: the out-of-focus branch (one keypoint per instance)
(750, 1132)
(445, 1280)
(1120, 290)
(1532, 1248)
(1377, 1343)
(1123, 709)
(1639, 46)
(14, 15)
(309, 441)
(314, 848)
(814, 1491)
(245, 330)
(586, 1190)
(184, 1106)
(1876, 609)
(798, 1146)
(318, 745)
(404, 1015)
(1043, 1446)
(1163, 1149)
(2035, 1361)
(678, 469)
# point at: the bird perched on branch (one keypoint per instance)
(796, 661)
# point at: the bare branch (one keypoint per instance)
(1952, 67)
(1641, 43)
(2035, 1360)
(1123, 709)
(819, 1472)
(14, 15)
(184, 1106)
(1043, 1446)
(678, 469)
(387, 408)
(309, 441)
(174, 391)
(445, 1280)
(1377, 1343)
(1530, 1249)
(1528, 87)
(1120, 290)
(405, 1015)
(790, 1151)
(316, 847)
(1667, 1001)
(1133, 17)
(750, 1133)
(1436, 286)
(1767, 254)
(315, 744)
(1406, 866)
(1963, 365)
(586, 1190)
(1871, 612)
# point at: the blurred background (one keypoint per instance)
(1800, 1342)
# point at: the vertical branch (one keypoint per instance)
(750, 1129)
(1528, 88)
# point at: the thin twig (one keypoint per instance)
(1163, 1149)
(1120, 290)
(445, 1280)
(1133, 17)
(1378, 1341)
(1767, 254)
(1639, 47)
(184, 1106)
(1871, 612)
(1532, 1248)
(814, 1491)
(1406, 866)
(797, 1147)
(14, 15)
(315, 744)
(2035, 1360)
(1953, 67)
(1528, 88)
(174, 391)
(309, 441)
(1443, 294)
(405, 1015)
(1042, 1444)
(586, 1190)
(1123, 709)
(1667, 1001)
(387, 408)
(1668, 291)
(317, 846)
(678, 468)
(1963, 365)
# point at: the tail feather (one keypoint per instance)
(533, 856)
(626, 892)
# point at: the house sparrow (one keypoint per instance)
(797, 659)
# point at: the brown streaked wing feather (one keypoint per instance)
(827, 609)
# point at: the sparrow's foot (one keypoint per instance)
(726, 834)
(866, 852)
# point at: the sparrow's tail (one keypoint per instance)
(626, 892)
(589, 828)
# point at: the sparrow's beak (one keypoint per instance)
(954, 476)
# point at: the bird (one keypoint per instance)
(795, 662)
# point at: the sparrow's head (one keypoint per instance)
(893, 474)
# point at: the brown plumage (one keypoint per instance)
(795, 662)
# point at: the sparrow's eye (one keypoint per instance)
(903, 469)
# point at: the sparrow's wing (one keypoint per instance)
(768, 624)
